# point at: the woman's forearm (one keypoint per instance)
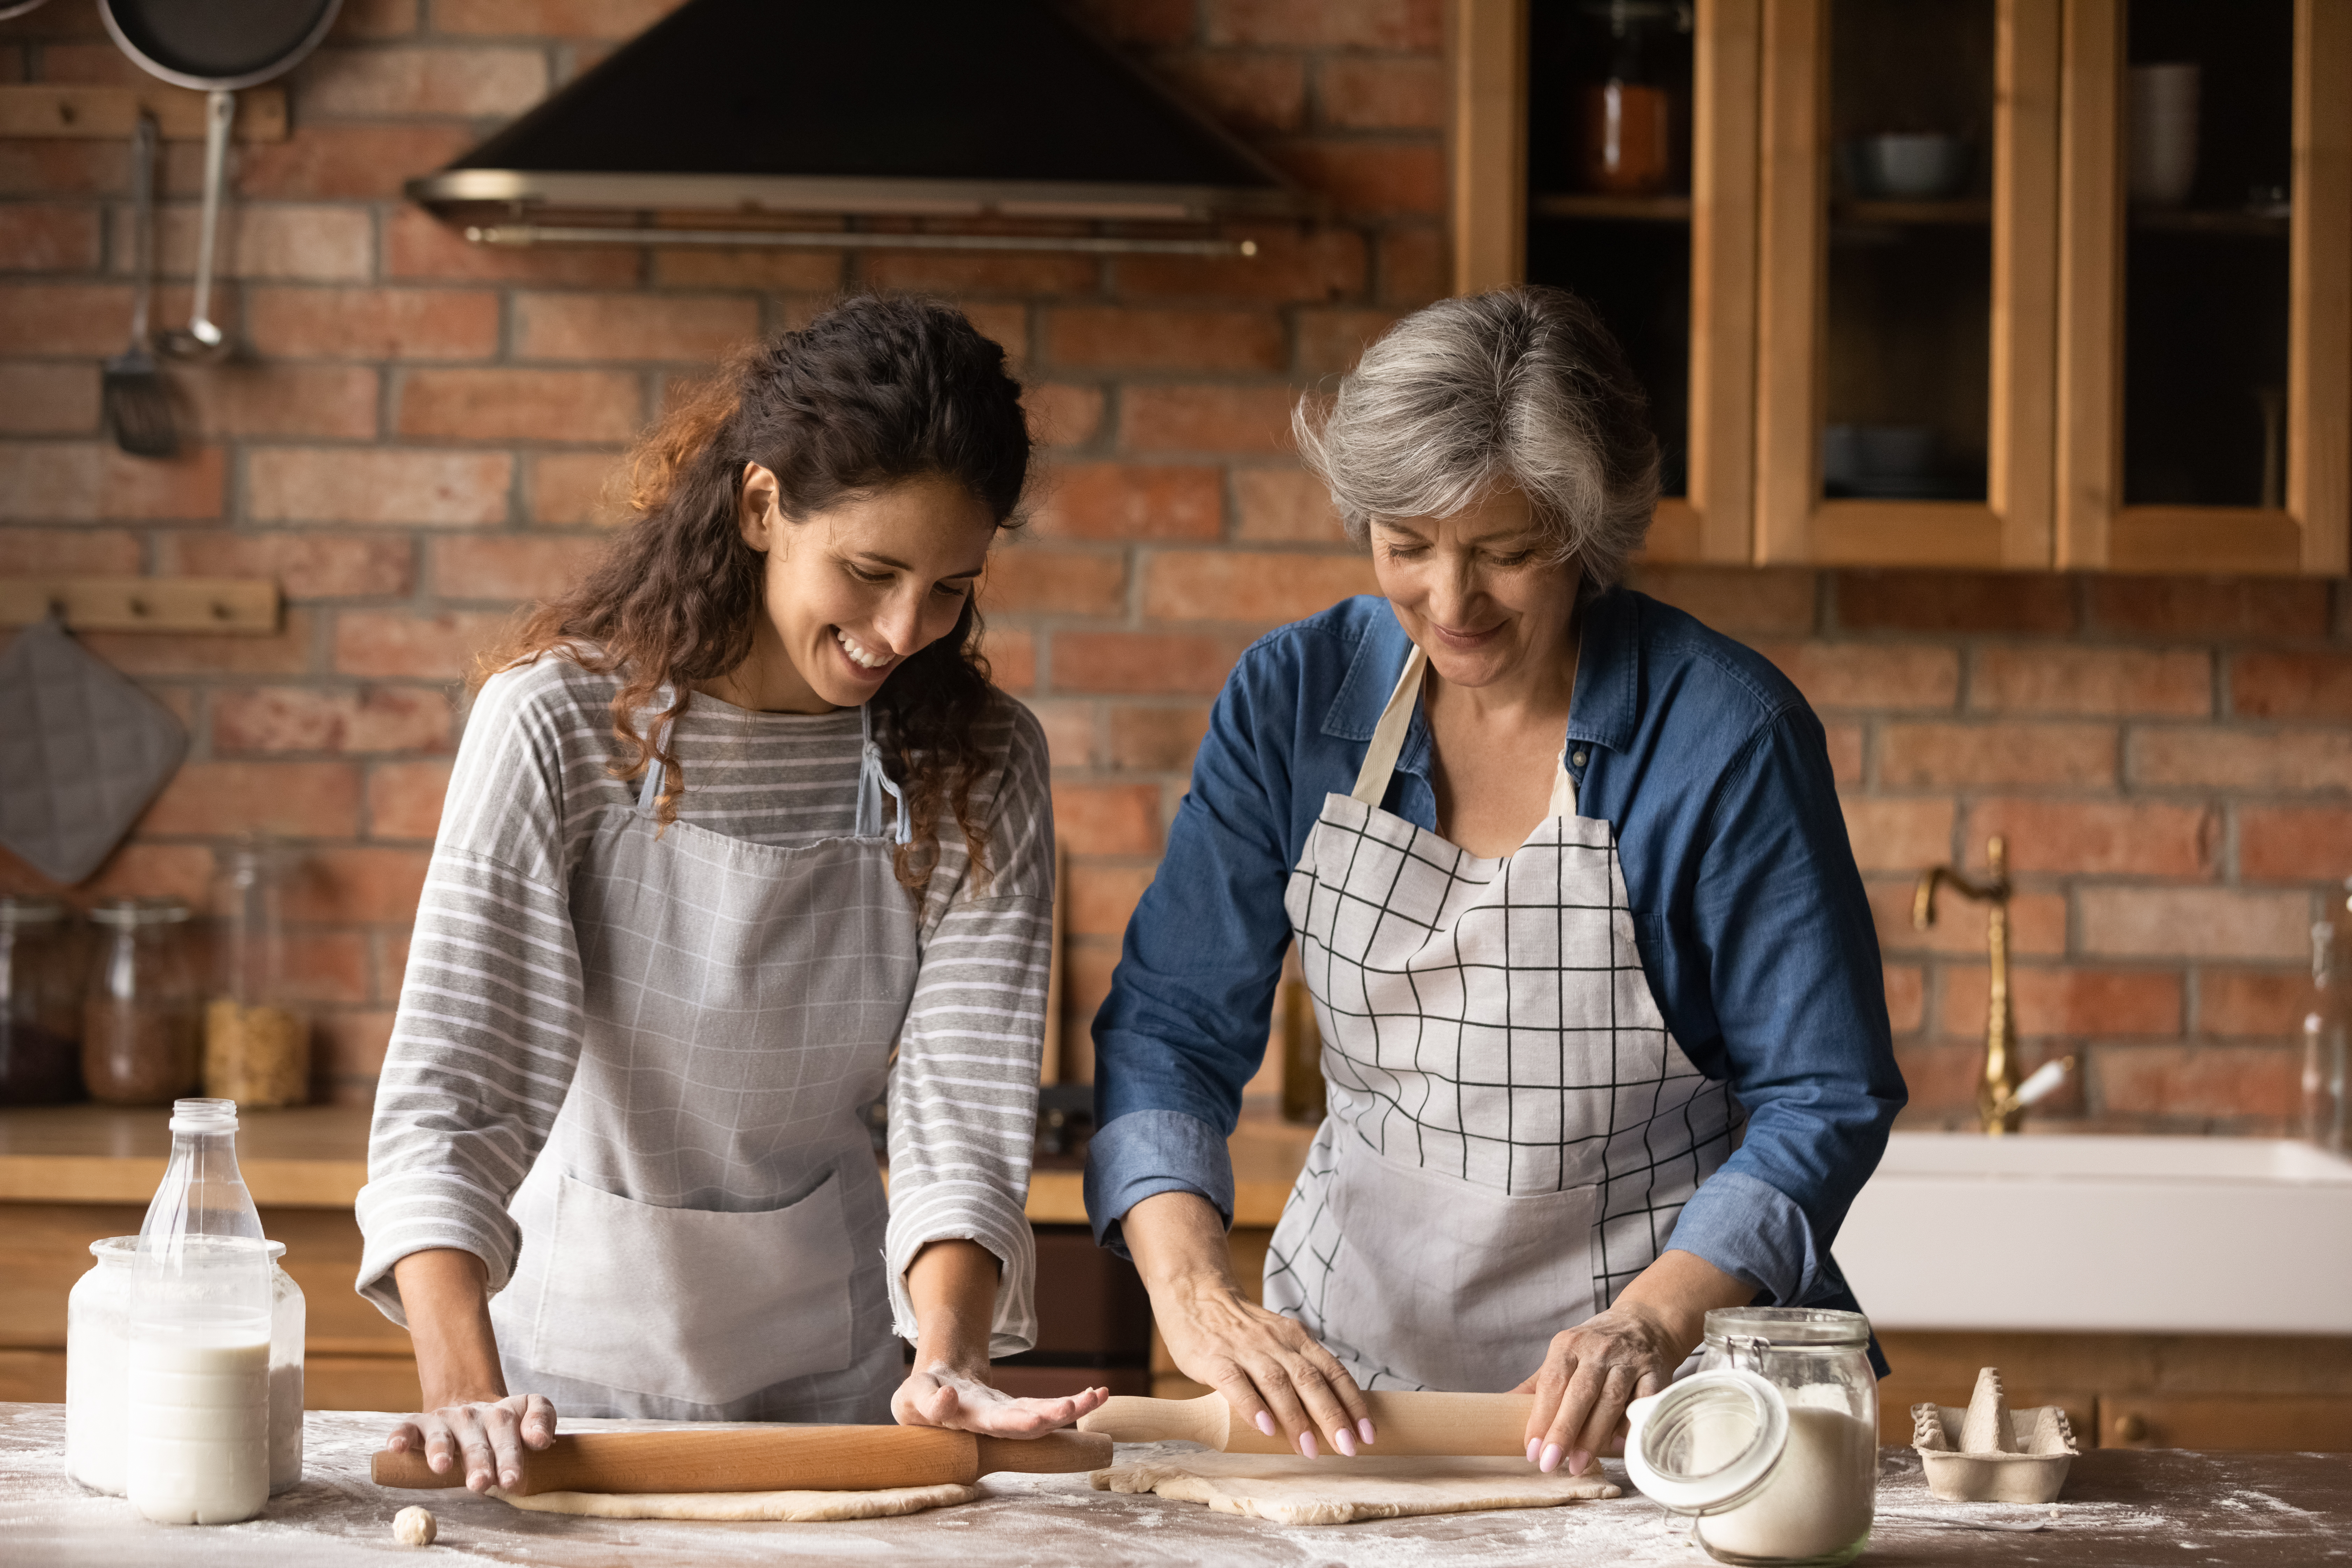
(953, 1287)
(1678, 1290)
(443, 1292)
(1178, 1243)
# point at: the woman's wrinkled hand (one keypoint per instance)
(1591, 1372)
(940, 1395)
(488, 1435)
(1275, 1376)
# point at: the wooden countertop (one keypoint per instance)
(316, 1157)
(2121, 1510)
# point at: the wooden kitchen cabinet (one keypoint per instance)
(2022, 369)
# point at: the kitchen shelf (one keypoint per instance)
(1961, 212)
(1593, 208)
(2216, 221)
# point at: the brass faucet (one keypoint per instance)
(2000, 1099)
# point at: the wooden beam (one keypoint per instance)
(106, 114)
(1790, 279)
(2089, 458)
(231, 605)
(1487, 149)
(2022, 444)
(2319, 289)
(1725, 94)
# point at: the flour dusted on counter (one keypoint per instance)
(1817, 1501)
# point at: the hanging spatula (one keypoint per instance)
(138, 399)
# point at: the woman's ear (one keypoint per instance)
(757, 507)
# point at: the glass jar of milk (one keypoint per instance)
(98, 1349)
(1773, 1443)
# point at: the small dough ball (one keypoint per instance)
(415, 1527)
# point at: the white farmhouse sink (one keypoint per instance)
(2238, 1235)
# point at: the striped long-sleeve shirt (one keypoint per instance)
(489, 1025)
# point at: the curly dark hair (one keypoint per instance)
(876, 391)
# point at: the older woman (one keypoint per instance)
(1604, 1033)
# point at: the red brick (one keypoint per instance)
(305, 565)
(347, 1053)
(327, 966)
(2290, 685)
(1898, 835)
(1412, 266)
(248, 398)
(359, 884)
(1996, 753)
(1141, 21)
(2193, 922)
(1061, 413)
(1406, 25)
(316, 718)
(1206, 418)
(2293, 844)
(1381, 95)
(1250, 586)
(2253, 1002)
(1086, 966)
(2098, 837)
(182, 655)
(505, 567)
(48, 399)
(1069, 732)
(1133, 337)
(303, 800)
(375, 19)
(1954, 602)
(569, 488)
(1942, 1079)
(1100, 898)
(65, 318)
(630, 326)
(1284, 505)
(550, 18)
(2037, 923)
(403, 643)
(1163, 663)
(1012, 659)
(1130, 501)
(2069, 1003)
(71, 552)
(1370, 178)
(801, 272)
(268, 239)
(1906, 1002)
(955, 272)
(521, 404)
(1038, 580)
(2206, 607)
(1330, 342)
(2316, 760)
(372, 323)
(1156, 739)
(43, 166)
(329, 484)
(1250, 93)
(403, 799)
(90, 481)
(1734, 599)
(476, 80)
(2044, 678)
(1323, 264)
(418, 245)
(151, 870)
(1869, 675)
(2221, 1081)
(332, 162)
(1845, 745)
(1108, 819)
(48, 239)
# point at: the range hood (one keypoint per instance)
(753, 118)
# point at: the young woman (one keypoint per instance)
(731, 823)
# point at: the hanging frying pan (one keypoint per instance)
(215, 47)
(9, 8)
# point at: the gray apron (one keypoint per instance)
(1512, 1130)
(703, 1234)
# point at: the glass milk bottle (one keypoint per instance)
(198, 1369)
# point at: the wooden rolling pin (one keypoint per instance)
(780, 1459)
(1403, 1423)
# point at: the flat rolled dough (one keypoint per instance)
(796, 1508)
(1290, 1490)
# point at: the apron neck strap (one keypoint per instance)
(650, 791)
(873, 783)
(1388, 744)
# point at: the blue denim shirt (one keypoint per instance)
(1750, 917)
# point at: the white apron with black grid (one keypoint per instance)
(1512, 1130)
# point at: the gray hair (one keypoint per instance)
(1520, 386)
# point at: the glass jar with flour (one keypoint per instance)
(1772, 1443)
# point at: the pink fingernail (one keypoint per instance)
(1577, 1461)
(1306, 1445)
(1344, 1441)
(1266, 1423)
(1365, 1427)
(1533, 1444)
(1550, 1460)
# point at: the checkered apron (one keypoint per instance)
(1512, 1130)
(703, 1234)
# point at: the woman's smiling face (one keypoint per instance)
(1477, 591)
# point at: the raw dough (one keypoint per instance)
(1292, 1490)
(414, 1527)
(796, 1508)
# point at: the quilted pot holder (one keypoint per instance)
(82, 750)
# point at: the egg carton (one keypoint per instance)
(1989, 1453)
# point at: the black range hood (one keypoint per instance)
(777, 112)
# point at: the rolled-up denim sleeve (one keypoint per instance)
(1779, 911)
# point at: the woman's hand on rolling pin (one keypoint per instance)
(1591, 1372)
(488, 1435)
(940, 1395)
(1275, 1376)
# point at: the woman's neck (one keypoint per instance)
(767, 681)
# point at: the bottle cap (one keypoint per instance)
(203, 1116)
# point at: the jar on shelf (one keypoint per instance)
(40, 1004)
(257, 1042)
(2327, 1033)
(1772, 1443)
(141, 1039)
(1625, 118)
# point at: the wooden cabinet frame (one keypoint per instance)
(2095, 529)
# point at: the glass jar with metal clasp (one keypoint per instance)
(1772, 1444)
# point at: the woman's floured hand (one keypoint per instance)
(1591, 1374)
(940, 1395)
(488, 1435)
(1275, 1376)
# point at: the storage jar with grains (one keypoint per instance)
(40, 1004)
(256, 1043)
(141, 1036)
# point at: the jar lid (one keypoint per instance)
(125, 1249)
(1708, 1442)
(203, 1116)
(140, 911)
(34, 910)
(1786, 1328)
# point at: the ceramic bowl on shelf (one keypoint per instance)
(1910, 166)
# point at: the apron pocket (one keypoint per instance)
(1451, 1284)
(693, 1304)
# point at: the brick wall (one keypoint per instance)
(414, 434)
